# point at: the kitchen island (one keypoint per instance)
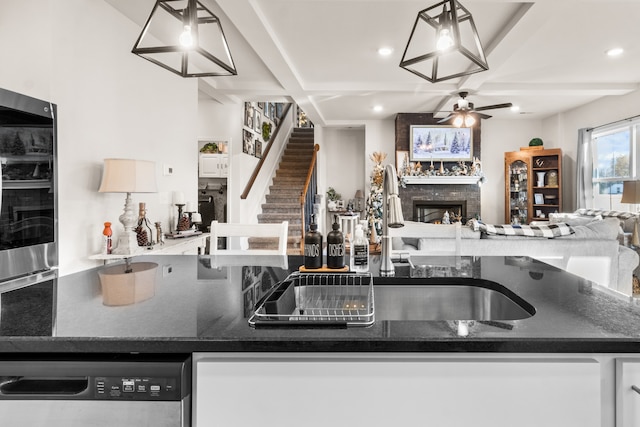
(571, 357)
(196, 308)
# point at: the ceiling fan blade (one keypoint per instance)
(483, 116)
(493, 107)
(446, 119)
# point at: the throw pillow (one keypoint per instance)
(606, 229)
(572, 219)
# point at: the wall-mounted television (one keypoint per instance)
(440, 143)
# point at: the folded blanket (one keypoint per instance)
(605, 213)
(550, 231)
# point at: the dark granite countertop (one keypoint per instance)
(198, 308)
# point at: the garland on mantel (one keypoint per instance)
(461, 169)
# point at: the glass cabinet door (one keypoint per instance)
(518, 199)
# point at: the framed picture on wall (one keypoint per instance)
(261, 105)
(248, 115)
(258, 150)
(257, 120)
(440, 143)
(248, 142)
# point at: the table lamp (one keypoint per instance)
(631, 194)
(128, 176)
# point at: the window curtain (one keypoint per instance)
(584, 183)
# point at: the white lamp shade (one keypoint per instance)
(128, 176)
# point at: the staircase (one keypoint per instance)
(283, 200)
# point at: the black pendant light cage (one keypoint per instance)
(464, 56)
(174, 21)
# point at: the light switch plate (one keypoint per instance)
(168, 170)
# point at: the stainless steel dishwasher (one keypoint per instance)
(91, 391)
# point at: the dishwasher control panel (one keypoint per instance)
(136, 388)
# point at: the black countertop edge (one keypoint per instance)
(170, 346)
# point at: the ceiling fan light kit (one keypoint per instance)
(464, 112)
(444, 44)
(186, 38)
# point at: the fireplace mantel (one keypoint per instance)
(426, 180)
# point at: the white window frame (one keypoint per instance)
(612, 202)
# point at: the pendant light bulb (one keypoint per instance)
(186, 38)
(457, 122)
(445, 41)
(469, 120)
(445, 38)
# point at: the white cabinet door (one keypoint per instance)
(224, 165)
(214, 165)
(628, 397)
(316, 390)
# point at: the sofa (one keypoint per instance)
(591, 250)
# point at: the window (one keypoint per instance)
(614, 155)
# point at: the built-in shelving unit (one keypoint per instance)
(533, 185)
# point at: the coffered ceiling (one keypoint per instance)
(545, 56)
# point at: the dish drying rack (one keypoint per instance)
(318, 299)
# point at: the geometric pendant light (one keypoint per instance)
(444, 44)
(186, 38)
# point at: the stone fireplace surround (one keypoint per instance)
(414, 193)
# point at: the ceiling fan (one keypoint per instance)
(463, 111)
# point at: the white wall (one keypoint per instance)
(379, 136)
(499, 137)
(111, 103)
(26, 48)
(344, 161)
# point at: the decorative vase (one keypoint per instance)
(540, 178)
(107, 234)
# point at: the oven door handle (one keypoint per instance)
(28, 280)
(3, 162)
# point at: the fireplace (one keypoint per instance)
(432, 211)
(463, 198)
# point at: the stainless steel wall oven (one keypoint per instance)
(28, 191)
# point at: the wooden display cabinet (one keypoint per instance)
(533, 185)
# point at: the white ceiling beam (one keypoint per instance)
(251, 22)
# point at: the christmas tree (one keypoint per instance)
(455, 147)
(374, 201)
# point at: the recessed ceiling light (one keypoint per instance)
(385, 51)
(616, 51)
(377, 108)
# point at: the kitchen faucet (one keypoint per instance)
(391, 217)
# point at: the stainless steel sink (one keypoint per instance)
(448, 299)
